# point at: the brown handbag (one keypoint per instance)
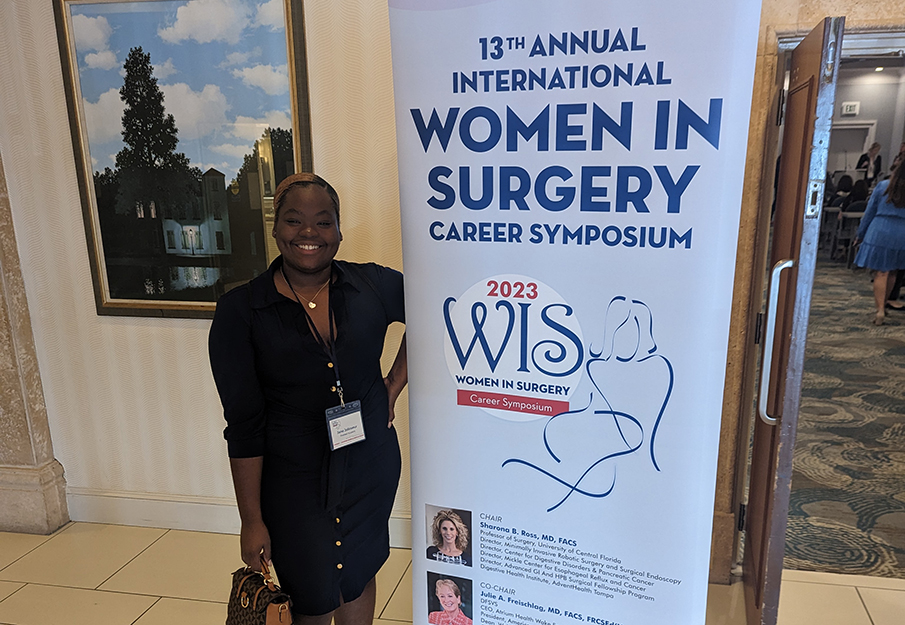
(255, 600)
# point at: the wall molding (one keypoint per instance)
(195, 513)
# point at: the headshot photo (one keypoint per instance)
(448, 535)
(449, 600)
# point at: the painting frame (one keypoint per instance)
(149, 304)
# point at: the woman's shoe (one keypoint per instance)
(894, 305)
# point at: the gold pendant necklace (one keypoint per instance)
(310, 302)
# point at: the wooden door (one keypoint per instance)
(796, 225)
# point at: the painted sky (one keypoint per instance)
(221, 65)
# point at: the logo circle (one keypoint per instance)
(513, 347)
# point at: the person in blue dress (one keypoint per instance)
(882, 237)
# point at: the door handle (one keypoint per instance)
(767, 366)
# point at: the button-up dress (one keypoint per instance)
(327, 511)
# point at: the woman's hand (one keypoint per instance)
(393, 394)
(396, 379)
(254, 540)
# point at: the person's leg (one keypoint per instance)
(897, 285)
(881, 292)
(890, 283)
(361, 610)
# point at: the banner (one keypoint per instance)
(571, 177)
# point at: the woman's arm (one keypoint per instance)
(232, 357)
(396, 379)
(254, 538)
(871, 212)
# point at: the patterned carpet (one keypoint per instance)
(847, 510)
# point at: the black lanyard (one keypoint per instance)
(329, 347)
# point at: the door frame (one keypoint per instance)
(748, 293)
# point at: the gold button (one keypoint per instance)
(330, 364)
(339, 543)
(333, 388)
(337, 519)
(339, 566)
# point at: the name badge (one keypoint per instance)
(344, 425)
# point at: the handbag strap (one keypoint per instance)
(265, 571)
(254, 605)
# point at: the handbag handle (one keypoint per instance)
(265, 571)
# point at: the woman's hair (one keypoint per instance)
(845, 184)
(304, 179)
(450, 583)
(859, 192)
(896, 190)
(455, 519)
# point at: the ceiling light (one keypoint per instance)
(879, 69)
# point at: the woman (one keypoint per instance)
(859, 193)
(318, 507)
(450, 536)
(872, 162)
(842, 190)
(882, 236)
(450, 600)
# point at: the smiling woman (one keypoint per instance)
(315, 460)
(450, 601)
(450, 537)
(307, 231)
(214, 81)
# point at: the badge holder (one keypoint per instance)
(344, 424)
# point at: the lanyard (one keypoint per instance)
(328, 346)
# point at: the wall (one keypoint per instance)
(133, 412)
(879, 94)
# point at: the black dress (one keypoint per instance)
(327, 512)
(864, 163)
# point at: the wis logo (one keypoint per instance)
(513, 333)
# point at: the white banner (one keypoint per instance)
(571, 177)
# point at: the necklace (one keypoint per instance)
(310, 302)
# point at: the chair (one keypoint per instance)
(828, 225)
(846, 229)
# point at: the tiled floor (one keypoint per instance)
(89, 574)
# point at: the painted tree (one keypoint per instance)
(149, 167)
(281, 157)
(281, 144)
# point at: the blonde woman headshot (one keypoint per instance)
(450, 538)
(450, 600)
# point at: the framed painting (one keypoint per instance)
(185, 115)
